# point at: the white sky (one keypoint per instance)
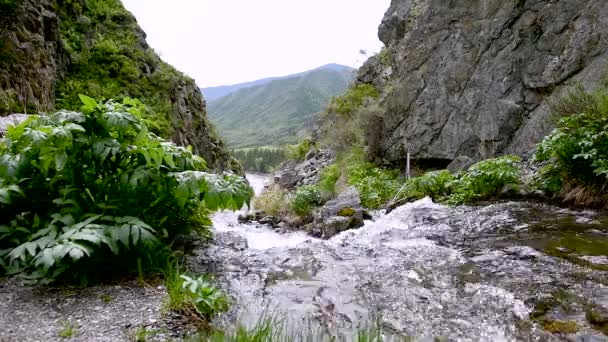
(221, 42)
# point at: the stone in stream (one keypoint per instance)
(337, 215)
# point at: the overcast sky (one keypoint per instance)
(220, 42)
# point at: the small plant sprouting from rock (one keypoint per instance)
(68, 330)
(106, 298)
(207, 299)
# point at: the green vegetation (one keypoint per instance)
(351, 120)
(298, 152)
(262, 159)
(207, 299)
(275, 330)
(279, 112)
(192, 296)
(305, 199)
(328, 179)
(436, 184)
(84, 193)
(376, 186)
(7, 7)
(110, 59)
(349, 103)
(106, 298)
(272, 201)
(68, 330)
(346, 212)
(561, 327)
(483, 181)
(576, 152)
(597, 319)
(486, 179)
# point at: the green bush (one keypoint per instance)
(298, 152)
(305, 199)
(486, 179)
(579, 145)
(206, 298)
(272, 201)
(548, 179)
(7, 7)
(328, 178)
(435, 184)
(86, 191)
(376, 186)
(347, 104)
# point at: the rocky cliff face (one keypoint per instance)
(31, 56)
(478, 78)
(52, 50)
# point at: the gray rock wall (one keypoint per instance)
(477, 77)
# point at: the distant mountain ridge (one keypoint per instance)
(277, 111)
(214, 93)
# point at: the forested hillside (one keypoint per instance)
(279, 112)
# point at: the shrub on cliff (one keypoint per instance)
(435, 184)
(486, 179)
(577, 150)
(305, 199)
(81, 192)
(298, 152)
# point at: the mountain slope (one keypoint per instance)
(51, 51)
(213, 93)
(279, 111)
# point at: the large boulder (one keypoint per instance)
(478, 78)
(337, 215)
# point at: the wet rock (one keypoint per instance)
(268, 220)
(339, 214)
(588, 338)
(231, 240)
(250, 217)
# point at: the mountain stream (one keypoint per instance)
(508, 271)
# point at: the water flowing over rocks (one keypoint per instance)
(337, 215)
(473, 273)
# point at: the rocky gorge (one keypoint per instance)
(457, 82)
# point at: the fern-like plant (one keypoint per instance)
(88, 188)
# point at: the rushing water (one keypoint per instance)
(424, 270)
